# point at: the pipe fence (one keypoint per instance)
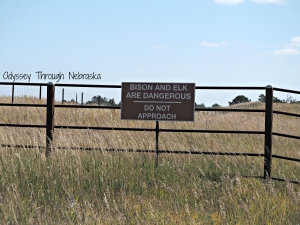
(267, 132)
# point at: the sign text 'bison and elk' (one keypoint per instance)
(158, 101)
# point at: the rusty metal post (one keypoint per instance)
(268, 132)
(156, 143)
(50, 117)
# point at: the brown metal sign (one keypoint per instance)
(158, 101)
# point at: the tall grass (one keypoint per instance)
(99, 187)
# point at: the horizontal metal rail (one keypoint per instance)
(286, 90)
(197, 87)
(141, 150)
(22, 125)
(286, 113)
(24, 84)
(214, 131)
(137, 129)
(229, 110)
(273, 178)
(286, 135)
(284, 180)
(119, 86)
(23, 105)
(88, 106)
(103, 128)
(231, 87)
(286, 158)
(88, 85)
(210, 153)
(21, 146)
(160, 130)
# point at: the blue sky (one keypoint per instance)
(207, 42)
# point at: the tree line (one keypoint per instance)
(99, 100)
(262, 98)
(103, 101)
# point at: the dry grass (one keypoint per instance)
(99, 187)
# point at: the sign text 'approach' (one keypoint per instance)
(158, 101)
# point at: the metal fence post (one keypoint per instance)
(156, 142)
(268, 132)
(62, 96)
(40, 97)
(81, 98)
(50, 117)
(13, 93)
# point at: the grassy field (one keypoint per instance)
(99, 187)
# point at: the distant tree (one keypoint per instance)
(111, 102)
(277, 100)
(215, 105)
(200, 105)
(294, 101)
(95, 100)
(262, 98)
(239, 99)
(289, 99)
(102, 101)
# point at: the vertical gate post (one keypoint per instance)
(268, 132)
(50, 117)
(156, 142)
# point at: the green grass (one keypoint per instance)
(126, 188)
(99, 187)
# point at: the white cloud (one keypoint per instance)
(214, 45)
(291, 48)
(287, 51)
(229, 2)
(295, 41)
(280, 2)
